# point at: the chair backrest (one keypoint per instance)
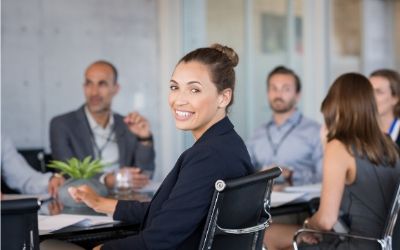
(239, 212)
(19, 224)
(35, 158)
(392, 227)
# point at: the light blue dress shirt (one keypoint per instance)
(295, 144)
(17, 173)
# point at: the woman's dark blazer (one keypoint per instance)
(175, 217)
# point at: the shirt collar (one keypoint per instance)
(93, 124)
(294, 118)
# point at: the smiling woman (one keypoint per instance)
(202, 86)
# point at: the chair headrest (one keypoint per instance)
(19, 206)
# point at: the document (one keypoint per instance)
(281, 198)
(295, 193)
(312, 188)
(311, 191)
(51, 223)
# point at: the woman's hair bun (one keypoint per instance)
(229, 52)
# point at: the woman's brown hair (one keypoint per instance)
(350, 115)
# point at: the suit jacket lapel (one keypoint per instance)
(84, 132)
(120, 131)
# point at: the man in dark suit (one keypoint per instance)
(94, 129)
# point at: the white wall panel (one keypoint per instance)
(46, 46)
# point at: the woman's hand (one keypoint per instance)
(98, 247)
(310, 238)
(88, 196)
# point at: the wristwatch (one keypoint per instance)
(148, 138)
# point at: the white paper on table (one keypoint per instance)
(56, 222)
(312, 188)
(281, 198)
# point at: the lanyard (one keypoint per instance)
(99, 150)
(394, 129)
(276, 146)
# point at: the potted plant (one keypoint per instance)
(80, 173)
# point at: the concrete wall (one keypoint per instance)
(46, 46)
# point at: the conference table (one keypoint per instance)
(88, 228)
(83, 226)
(296, 199)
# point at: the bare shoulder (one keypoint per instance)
(338, 157)
(337, 149)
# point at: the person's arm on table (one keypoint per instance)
(184, 210)
(88, 196)
(129, 211)
(19, 175)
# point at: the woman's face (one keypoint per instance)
(194, 100)
(383, 95)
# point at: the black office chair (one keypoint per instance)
(239, 212)
(36, 158)
(19, 224)
(389, 240)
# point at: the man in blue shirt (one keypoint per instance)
(288, 139)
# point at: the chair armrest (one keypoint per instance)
(263, 225)
(339, 235)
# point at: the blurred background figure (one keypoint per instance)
(289, 139)
(358, 157)
(386, 84)
(18, 175)
(95, 130)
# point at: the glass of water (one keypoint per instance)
(123, 183)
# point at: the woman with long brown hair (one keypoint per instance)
(358, 157)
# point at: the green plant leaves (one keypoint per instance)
(77, 169)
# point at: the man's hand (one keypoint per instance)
(55, 207)
(137, 178)
(287, 174)
(54, 183)
(138, 125)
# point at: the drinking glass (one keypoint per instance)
(123, 183)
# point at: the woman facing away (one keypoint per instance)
(386, 84)
(201, 90)
(360, 170)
